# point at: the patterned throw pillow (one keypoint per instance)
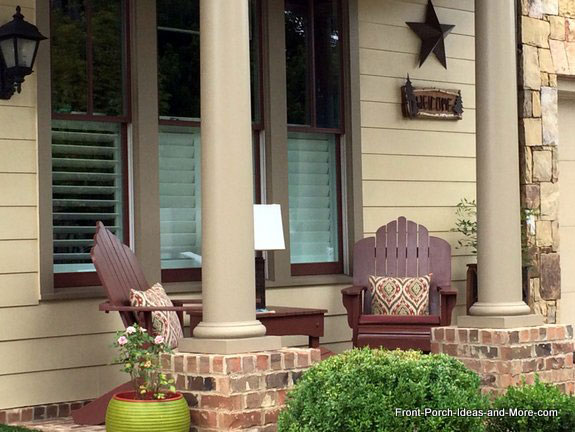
(399, 296)
(165, 323)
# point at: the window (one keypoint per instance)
(90, 113)
(179, 138)
(315, 126)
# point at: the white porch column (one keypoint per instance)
(228, 276)
(500, 302)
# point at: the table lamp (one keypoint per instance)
(268, 235)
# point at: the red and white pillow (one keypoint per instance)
(399, 296)
(165, 323)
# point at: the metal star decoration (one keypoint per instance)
(432, 35)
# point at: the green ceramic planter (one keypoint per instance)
(126, 414)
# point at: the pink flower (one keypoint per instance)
(159, 339)
(122, 340)
(130, 330)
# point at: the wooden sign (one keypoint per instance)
(431, 103)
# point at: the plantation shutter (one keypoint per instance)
(313, 198)
(86, 187)
(180, 197)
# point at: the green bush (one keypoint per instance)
(537, 397)
(360, 390)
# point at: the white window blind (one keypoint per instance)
(86, 188)
(313, 207)
(180, 197)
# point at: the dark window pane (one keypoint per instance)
(107, 40)
(327, 47)
(68, 50)
(297, 61)
(255, 32)
(179, 58)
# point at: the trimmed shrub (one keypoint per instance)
(6, 428)
(361, 391)
(513, 408)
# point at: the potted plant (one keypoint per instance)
(154, 404)
(466, 224)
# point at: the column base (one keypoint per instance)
(499, 322)
(229, 346)
(229, 329)
(497, 309)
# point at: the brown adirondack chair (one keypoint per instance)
(401, 249)
(119, 271)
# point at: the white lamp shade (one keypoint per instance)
(268, 228)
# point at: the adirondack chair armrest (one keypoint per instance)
(352, 301)
(448, 299)
(146, 311)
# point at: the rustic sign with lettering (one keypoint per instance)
(431, 103)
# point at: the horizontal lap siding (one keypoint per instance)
(416, 168)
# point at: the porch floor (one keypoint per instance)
(65, 424)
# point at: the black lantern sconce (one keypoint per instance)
(19, 42)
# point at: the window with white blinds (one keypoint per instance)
(86, 187)
(180, 197)
(313, 200)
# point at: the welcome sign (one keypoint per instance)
(431, 103)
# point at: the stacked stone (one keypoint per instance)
(503, 358)
(547, 35)
(239, 391)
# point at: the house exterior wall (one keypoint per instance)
(547, 36)
(416, 168)
(59, 350)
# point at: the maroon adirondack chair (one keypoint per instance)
(119, 271)
(401, 249)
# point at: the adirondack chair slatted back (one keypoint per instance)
(402, 248)
(118, 270)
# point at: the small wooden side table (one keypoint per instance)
(283, 321)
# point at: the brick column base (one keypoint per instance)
(239, 391)
(503, 357)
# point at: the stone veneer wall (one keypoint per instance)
(547, 41)
(502, 358)
(237, 391)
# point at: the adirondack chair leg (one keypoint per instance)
(94, 413)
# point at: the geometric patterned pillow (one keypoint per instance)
(399, 296)
(165, 323)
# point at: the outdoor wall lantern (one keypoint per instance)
(19, 42)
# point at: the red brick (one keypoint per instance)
(166, 361)
(315, 356)
(450, 349)
(534, 334)
(435, 347)
(486, 337)
(51, 411)
(217, 366)
(191, 364)
(503, 367)
(204, 364)
(472, 364)
(303, 359)
(488, 366)
(463, 335)
(289, 359)
(179, 363)
(261, 400)
(525, 335)
(504, 380)
(76, 405)
(552, 333)
(263, 362)
(562, 347)
(439, 334)
(40, 412)
(204, 418)
(248, 364)
(473, 336)
(234, 364)
(529, 366)
(569, 360)
(27, 414)
(542, 334)
(560, 332)
(271, 415)
(276, 361)
(245, 383)
(3, 417)
(269, 428)
(13, 416)
(241, 420)
(505, 353)
(230, 403)
(64, 410)
(450, 334)
(281, 397)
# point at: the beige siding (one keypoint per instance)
(416, 168)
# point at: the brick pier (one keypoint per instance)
(240, 391)
(503, 357)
